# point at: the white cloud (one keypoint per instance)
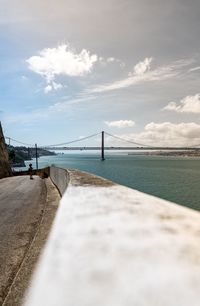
(142, 73)
(170, 134)
(120, 123)
(142, 67)
(48, 88)
(189, 104)
(63, 60)
(194, 69)
(165, 134)
(110, 59)
(52, 86)
(63, 106)
(57, 86)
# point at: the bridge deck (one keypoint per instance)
(82, 148)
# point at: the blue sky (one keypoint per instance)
(69, 69)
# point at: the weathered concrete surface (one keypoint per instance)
(27, 208)
(115, 246)
(80, 178)
(63, 177)
(5, 169)
(60, 177)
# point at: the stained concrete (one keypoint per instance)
(80, 178)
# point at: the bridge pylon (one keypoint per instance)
(102, 146)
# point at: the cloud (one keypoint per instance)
(120, 123)
(48, 88)
(142, 73)
(115, 60)
(165, 134)
(110, 59)
(170, 134)
(63, 106)
(189, 104)
(194, 69)
(142, 67)
(63, 60)
(52, 86)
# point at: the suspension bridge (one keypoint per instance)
(67, 146)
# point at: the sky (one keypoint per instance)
(69, 69)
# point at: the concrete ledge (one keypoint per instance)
(115, 246)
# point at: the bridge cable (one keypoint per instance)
(20, 142)
(69, 142)
(130, 141)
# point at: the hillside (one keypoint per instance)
(18, 155)
(5, 169)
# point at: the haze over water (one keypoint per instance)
(176, 179)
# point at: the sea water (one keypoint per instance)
(176, 179)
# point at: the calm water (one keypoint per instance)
(173, 178)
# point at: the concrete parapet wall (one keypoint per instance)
(60, 178)
(114, 246)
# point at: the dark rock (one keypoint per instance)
(5, 168)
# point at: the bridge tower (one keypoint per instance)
(36, 156)
(102, 146)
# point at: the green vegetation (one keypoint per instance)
(17, 155)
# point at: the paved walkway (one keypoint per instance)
(22, 205)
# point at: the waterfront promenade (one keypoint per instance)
(27, 208)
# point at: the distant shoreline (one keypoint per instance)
(181, 153)
(192, 153)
